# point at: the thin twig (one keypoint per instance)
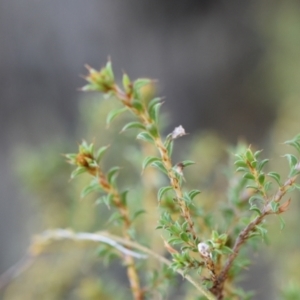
(15, 270)
(85, 236)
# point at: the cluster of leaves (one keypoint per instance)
(193, 239)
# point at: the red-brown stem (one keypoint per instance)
(217, 289)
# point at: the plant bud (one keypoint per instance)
(204, 250)
(178, 132)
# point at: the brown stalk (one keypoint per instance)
(129, 260)
(217, 289)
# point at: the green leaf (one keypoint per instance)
(240, 163)
(226, 250)
(292, 159)
(77, 171)
(262, 164)
(239, 156)
(214, 235)
(71, 156)
(112, 174)
(256, 199)
(268, 186)
(162, 191)
(133, 125)
(184, 226)
(160, 166)
(187, 163)
(109, 70)
(169, 143)
(261, 178)
(184, 236)
(255, 208)
(115, 217)
(152, 130)
(137, 104)
(282, 223)
(105, 199)
(263, 231)
(123, 197)
(249, 155)
(145, 136)
(126, 82)
(101, 152)
(187, 199)
(274, 206)
(223, 237)
(137, 213)
(174, 241)
(139, 83)
(297, 186)
(249, 176)
(154, 112)
(241, 169)
(153, 102)
(91, 148)
(83, 147)
(257, 153)
(93, 186)
(295, 142)
(254, 164)
(250, 186)
(194, 193)
(113, 114)
(275, 176)
(149, 160)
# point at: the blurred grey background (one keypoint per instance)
(212, 60)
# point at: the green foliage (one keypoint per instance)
(204, 239)
(217, 251)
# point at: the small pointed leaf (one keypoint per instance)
(262, 164)
(153, 102)
(162, 191)
(169, 143)
(194, 193)
(292, 159)
(139, 83)
(137, 213)
(126, 82)
(154, 112)
(187, 163)
(133, 125)
(282, 223)
(94, 186)
(149, 160)
(257, 153)
(261, 179)
(145, 136)
(159, 165)
(124, 197)
(77, 172)
(112, 174)
(240, 163)
(255, 208)
(113, 114)
(101, 152)
(275, 176)
(115, 217)
(249, 176)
